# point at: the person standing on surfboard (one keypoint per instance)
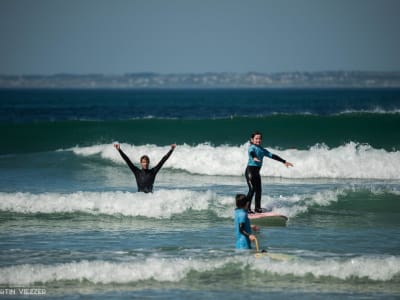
(256, 154)
(244, 236)
(145, 177)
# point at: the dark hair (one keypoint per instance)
(241, 201)
(255, 133)
(145, 157)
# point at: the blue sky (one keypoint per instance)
(188, 36)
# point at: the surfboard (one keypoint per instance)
(268, 219)
(274, 256)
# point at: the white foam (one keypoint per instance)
(293, 205)
(176, 269)
(376, 110)
(95, 271)
(296, 204)
(373, 268)
(165, 203)
(161, 204)
(348, 161)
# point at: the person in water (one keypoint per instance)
(244, 235)
(145, 177)
(256, 154)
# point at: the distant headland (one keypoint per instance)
(328, 79)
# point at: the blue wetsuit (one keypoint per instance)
(242, 229)
(252, 173)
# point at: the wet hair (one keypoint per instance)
(241, 201)
(255, 133)
(145, 157)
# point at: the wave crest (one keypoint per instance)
(348, 161)
(383, 268)
(161, 204)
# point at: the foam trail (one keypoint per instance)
(176, 269)
(348, 161)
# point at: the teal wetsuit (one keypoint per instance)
(242, 229)
(252, 173)
(259, 152)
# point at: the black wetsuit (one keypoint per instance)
(145, 178)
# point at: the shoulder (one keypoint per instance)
(240, 213)
(267, 152)
(252, 147)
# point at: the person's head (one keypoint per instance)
(241, 201)
(256, 138)
(144, 162)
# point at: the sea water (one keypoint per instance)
(72, 224)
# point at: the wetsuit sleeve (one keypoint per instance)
(243, 230)
(162, 161)
(131, 166)
(278, 158)
(273, 156)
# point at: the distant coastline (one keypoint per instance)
(328, 79)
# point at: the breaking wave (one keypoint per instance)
(348, 161)
(161, 269)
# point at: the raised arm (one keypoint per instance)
(131, 166)
(164, 159)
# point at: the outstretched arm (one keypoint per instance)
(278, 158)
(164, 159)
(131, 166)
(286, 163)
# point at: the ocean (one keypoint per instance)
(73, 226)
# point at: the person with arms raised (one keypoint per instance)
(145, 177)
